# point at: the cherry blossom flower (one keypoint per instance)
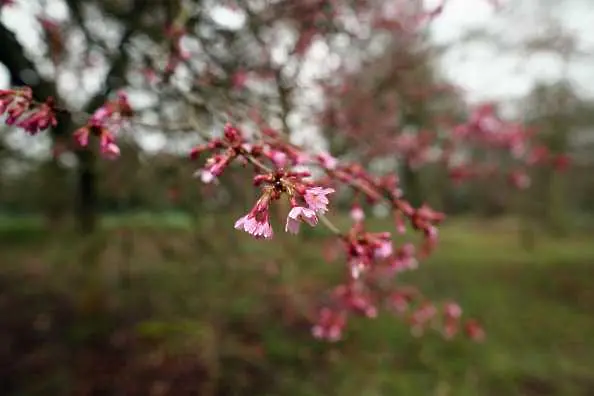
(357, 213)
(213, 167)
(297, 215)
(316, 199)
(384, 250)
(81, 136)
(110, 150)
(330, 325)
(257, 221)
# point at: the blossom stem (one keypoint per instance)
(330, 225)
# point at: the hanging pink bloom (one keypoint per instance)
(213, 168)
(101, 115)
(110, 150)
(297, 215)
(316, 199)
(256, 222)
(257, 228)
(107, 145)
(81, 136)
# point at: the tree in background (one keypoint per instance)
(245, 78)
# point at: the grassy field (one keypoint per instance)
(148, 307)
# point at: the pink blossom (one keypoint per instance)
(302, 158)
(213, 168)
(356, 299)
(384, 249)
(452, 310)
(81, 136)
(330, 325)
(357, 213)
(404, 258)
(41, 118)
(357, 265)
(297, 215)
(279, 158)
(206, 176)
(256, 222)
(254, 227)
(100, 115)
(316, 199)
(110, 150)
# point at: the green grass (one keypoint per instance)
(236, 305)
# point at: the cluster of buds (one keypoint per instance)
(22, 111)
(307, 199)
(307, 203)
(104, 123)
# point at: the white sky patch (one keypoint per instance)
(488, 74)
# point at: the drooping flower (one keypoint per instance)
(297, 215)
(81, 136)
(213, 167)
(107, 145)
(110, 150)
(259, 228)
(257, 221)
(316, 199)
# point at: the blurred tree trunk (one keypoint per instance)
(55, 201)
(555, 212)
(412, 185)
(86, 192)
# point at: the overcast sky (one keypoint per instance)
(487, 74)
